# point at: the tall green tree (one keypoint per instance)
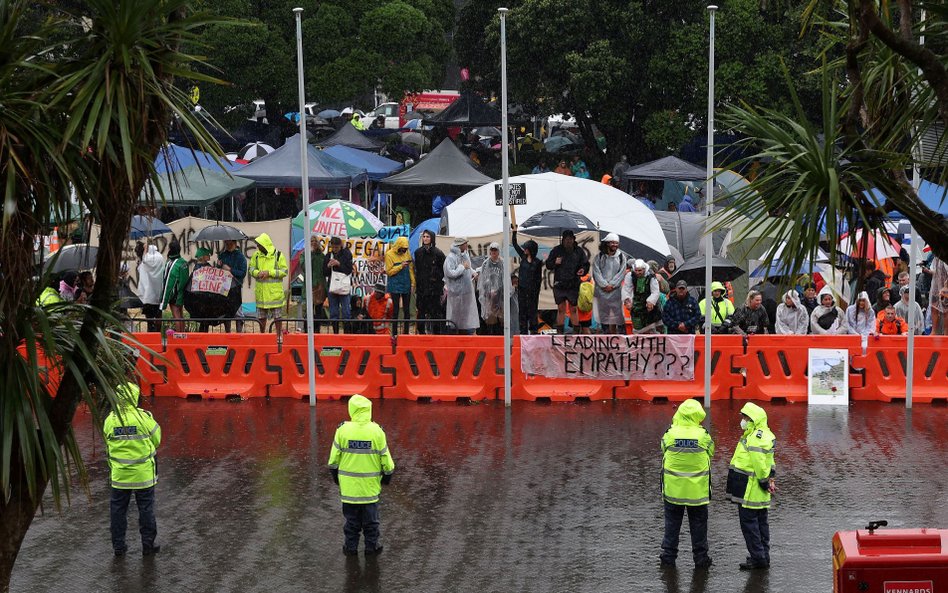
(877, 102)
(634, 69)
(89, 93)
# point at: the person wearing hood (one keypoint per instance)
(874, 279)
(608, 272)
(268, 267)
(429, 283)
(827, 318)
(360, 463)
(792, 316)
(640, 294)
(459, 288)
(910, 311)
(175, 280)
(50, 296)
(401, 280)
(809, 300)
(233, 260)
(530, 277)
(569, 263)
(750, 484)
(151, 268)
(687, 449)
(860, 318)
(131, 437)
(883, 300)
(490, 289)
(686, 205)
(722, 309)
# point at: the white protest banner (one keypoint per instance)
(636, 357)
(210, 279)
(479, 246)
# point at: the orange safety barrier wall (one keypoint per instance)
(776, 366)
(535, 387)
(724, 380)
(151, 367)
(345, 365)
(218, 365)
(447, 368)
(885, 363)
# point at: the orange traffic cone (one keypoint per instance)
(54, 240)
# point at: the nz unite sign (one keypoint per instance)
(639, 358)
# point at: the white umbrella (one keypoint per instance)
(254, 150)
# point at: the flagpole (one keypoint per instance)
(505, 174)
(709, 198)
(913, 261)
(307, 221)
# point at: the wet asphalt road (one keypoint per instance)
(540, 498)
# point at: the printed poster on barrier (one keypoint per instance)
(211, 279)
(638, 357)
(828, 377)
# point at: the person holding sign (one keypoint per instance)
(268, 267)
(608, 271)
(687, 449)
(569, 264)
(232, 260)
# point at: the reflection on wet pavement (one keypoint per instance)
(544, 498)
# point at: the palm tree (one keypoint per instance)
(812, 178)
(88, 98)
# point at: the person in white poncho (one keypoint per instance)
(490, 290)
(792, 316)
(459, 288)
(608, 270)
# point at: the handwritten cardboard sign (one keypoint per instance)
(638, 357)
(210, 279)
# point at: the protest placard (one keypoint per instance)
(636, 357)
(210, 279)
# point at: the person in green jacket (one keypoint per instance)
(750, 484)
(176, 280)
(50, 295)
(268, 267)
(687, 449)
(360, 462)
(132, 436)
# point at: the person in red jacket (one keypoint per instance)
(379, 307)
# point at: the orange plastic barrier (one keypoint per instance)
(218, 365)
(724, 380)
(447, 368)
(345, 365)
(535, 387)
(885, 363)
(776, 366)
(152, 369)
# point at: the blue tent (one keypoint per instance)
(376, 166)
(932, 195)
(176, 158)
(414, 241)
(282, 168)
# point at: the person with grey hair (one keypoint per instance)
(459, 288)
(640, 294)
(752, 318)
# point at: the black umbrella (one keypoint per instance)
(692, 271)
(71, 257)
(219, 232)
(561, 219)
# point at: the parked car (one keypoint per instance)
(387, 110)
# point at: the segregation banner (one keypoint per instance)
(637, 357)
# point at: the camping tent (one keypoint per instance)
(667, 168)
(175, 158)
(444, 167)
(468, 110)
(282, 168)
(349, 136)
(192, 186)
(475, 213)
(376, 166)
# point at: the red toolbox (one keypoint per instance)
(890, 560)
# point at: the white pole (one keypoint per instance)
(913, 260)
(505, 173)
(709, 197)
(307, 222)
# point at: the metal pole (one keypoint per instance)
(913, 261)
(709, 197)
(505, 173)
(307, 222)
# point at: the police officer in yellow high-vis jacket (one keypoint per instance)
(132, 436)
(687, 449)
(361, 462)
(750, 483)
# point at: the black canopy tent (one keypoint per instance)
(668, 168)
(444, 169)
(282, 168)
(469, 111)
(349, 136)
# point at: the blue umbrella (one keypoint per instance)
(328, 114)
(147, 226)
(414, 241)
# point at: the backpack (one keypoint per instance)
(585, 301)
